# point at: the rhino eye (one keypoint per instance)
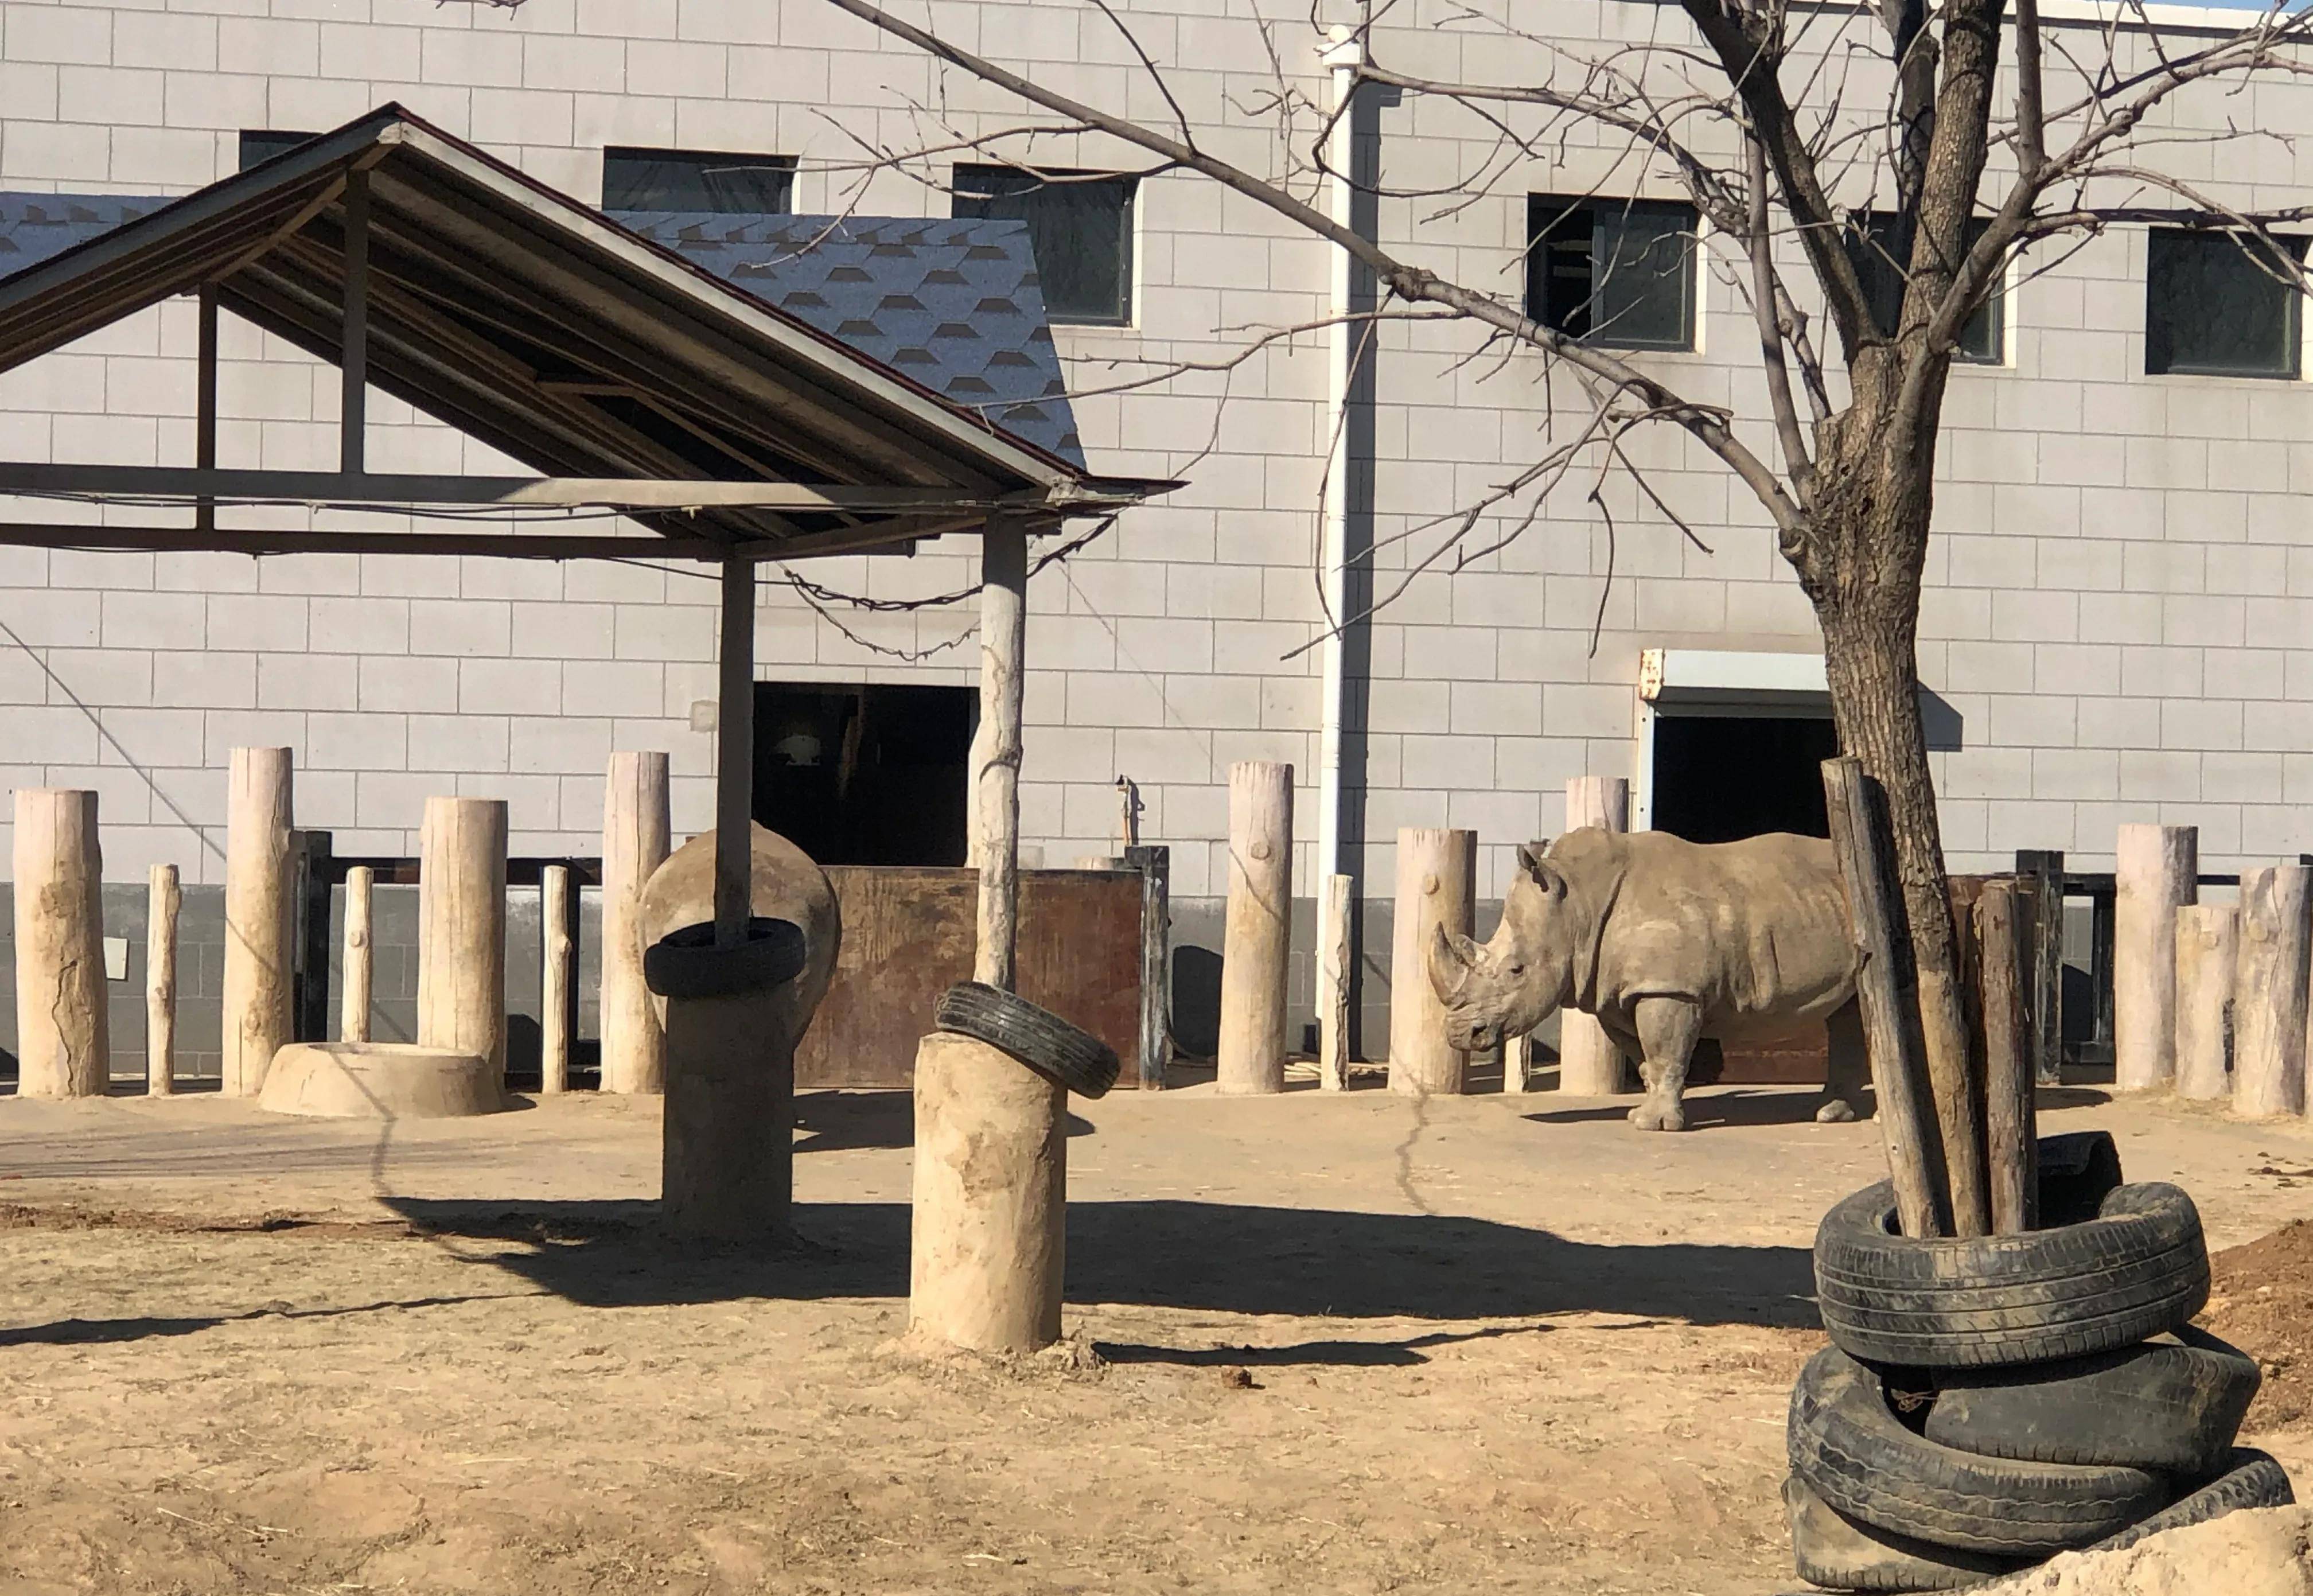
(1517, 969)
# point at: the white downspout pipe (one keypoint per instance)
(1343, 60)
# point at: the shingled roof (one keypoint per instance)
(954, 304)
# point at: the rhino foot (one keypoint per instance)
(1836, 1111)
(1650, 1116)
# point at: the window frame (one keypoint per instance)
(1128, 254)
(2293, 367)
(700, 161)
(1548, 213)
(1879, 270)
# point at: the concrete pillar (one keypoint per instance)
(990, 1184)
(2207, 947)
(63, 1048)
(2269, 991)
(1334, 974)
(1257, 936)
(461, 928)
(258, 912)
(555, 980)
(360, 960)
(2155, 872)
(996, 750)
(162, 903)
(1436, 887)
(727, 1144)
(1588, 1063)
(636, 841)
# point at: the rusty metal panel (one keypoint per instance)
(907, 935)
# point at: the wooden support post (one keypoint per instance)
(996, 748)
(556, 979)
(735, 754)
(2011, 1143)
(1333, 984)
(2269, 991)
(1886, 986)
(635, 840)
(2208, 945)
(2155, 872)
(461, 928)
(1589, 1062)
(353, 363)
(161, 903)
(1436, 887)
(1155, 864)
(360, 956)
(259, 912)
(1257, 936)
(63, 1048)
(205, 401)
(2043, 870)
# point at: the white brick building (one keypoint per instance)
(2119, 586)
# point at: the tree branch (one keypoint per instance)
(1797, 462)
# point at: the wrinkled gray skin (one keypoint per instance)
(1667, 941)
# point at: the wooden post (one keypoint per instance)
(2011, 1143)
(1333, 986)
(555, 980)
(2208, 945)
(1589, 1062)
(635, 840)
(161, 906)
(1155, 866)
(996, 749)
(734, 755)
(63, 1049)
(461, 928)
(1860, 836)
(360, 957)
(259, 915)
(1436, 887)
(2043, 870)
(2155, 872)
(2269, 991)
(1257, 936)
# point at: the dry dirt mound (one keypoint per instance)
(2261, 1300)
(2265, 1551)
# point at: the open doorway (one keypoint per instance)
(1725, 775)
(867, 774)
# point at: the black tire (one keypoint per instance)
(686, 964)
(2173, 1405)
(1849, 1449)
(2251, 1478)
(2078, 1171)
(1839, 1554)
(2139, 1269)
(1045, 1042)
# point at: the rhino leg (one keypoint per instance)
(1843, 1082)
(1668, 1029)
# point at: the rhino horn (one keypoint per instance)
(1451, 962)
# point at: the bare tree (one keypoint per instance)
(1815, 141)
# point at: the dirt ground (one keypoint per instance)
(1346, 1344)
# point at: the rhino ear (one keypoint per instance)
(1545, 875)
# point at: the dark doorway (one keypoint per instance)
(1721, 778)
(868, 775)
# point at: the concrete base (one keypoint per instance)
(729, 1131)
(991, 1199)
(380, 1080)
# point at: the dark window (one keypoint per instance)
(262, 144)
(719, 182)
(1079, 225)
(2222, 304)
(1877, 249)
(866, 775)
(1719, 779)
(1616, 272)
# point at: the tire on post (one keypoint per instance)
(1063, 1053)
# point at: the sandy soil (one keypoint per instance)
(1347, 1344)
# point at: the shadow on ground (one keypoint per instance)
(840, 1121)
(1779, 1106)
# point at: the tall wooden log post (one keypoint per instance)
(260, 911)
(1256, 938)
(2156, 871)
(556, 974)
(1589, 1062)
(2269, 991)
(1437, 887)
(461, 928)
(990, 1193)
(359, 959)
(1885, 986)
(1333, 986)
(63, 1046)
(2208, 945)
(2011, 1143)
(636, 841)
(163, 900)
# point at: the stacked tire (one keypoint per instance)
(1987, 1404)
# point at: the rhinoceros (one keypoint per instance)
(1667, 941)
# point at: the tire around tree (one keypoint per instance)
(1850, 1450)
(686, 963)
(1836, 1552)
(1061, 1052)
(2139, 1269)
(2170, 1405)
